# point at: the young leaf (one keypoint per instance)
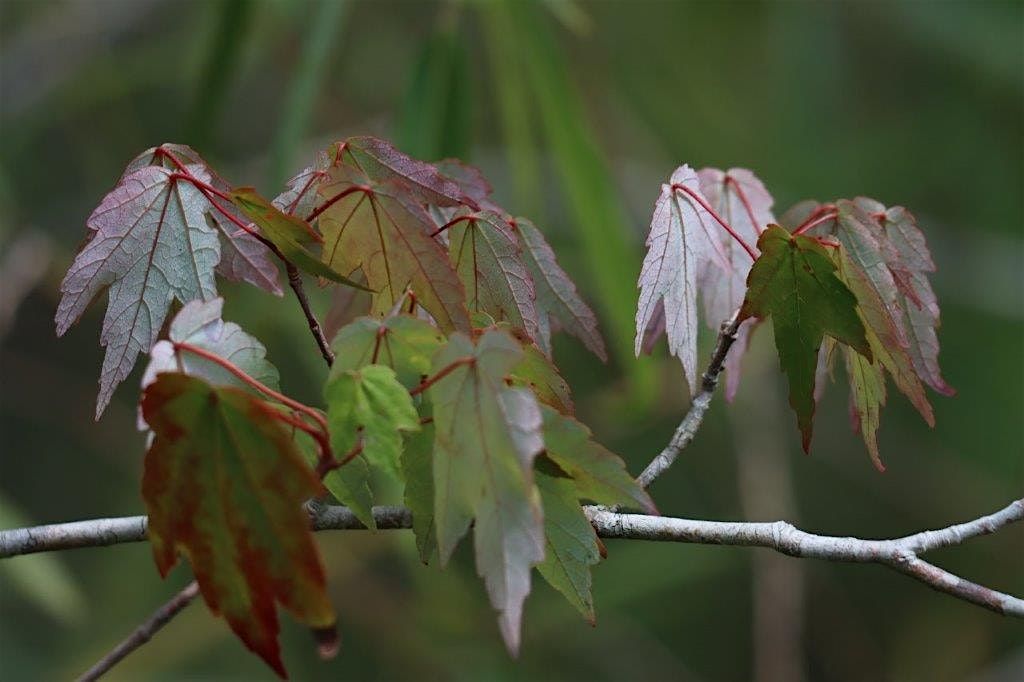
(369, 406)
(793, 281)
(380, 231)
(742, 200)
(598, 474)
(381, 162)
(910, 261)
(288, 233)
(224, 485)
(199, 324)
(571, 543)
(869, 251)
(404, 343)
(557, 299)
(486, 254)
(867, 397)
(242, 257)
(681, 246)
(150, 244)
(487, 436)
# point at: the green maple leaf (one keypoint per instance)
(571, 544)
(793, 281)
(486, 437)
(402, 342)
(224, 485)
(370, 406)
(418, 471)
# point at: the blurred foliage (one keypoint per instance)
(577, 111)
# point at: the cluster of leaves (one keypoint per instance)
(851, 276)
(445, 382)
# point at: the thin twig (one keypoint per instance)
(900, 554)
(142, 634)
(295, 281)
(687, 428)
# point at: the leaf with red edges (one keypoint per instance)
(224, 485)
(379, 161)
(557, 298)
(149, 244)
(378, 230)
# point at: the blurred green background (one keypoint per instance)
(576, 111)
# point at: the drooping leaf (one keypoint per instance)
(379, 161)
(920, 308)
(486, 438)
(557, 299)
(199, 324)
(741, 199)
(598, 474)
(242, 257)
(869, 252)
(370, 406)
(487, 256)
(886, 348)
(867, 397)
(793, 281)
(149, 242)
(380, 231)
(681, 246)
(288, 233)
(418, 472)
(224, 485)
(571, 545)
(404, 343)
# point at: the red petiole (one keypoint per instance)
(811, 223)
(452, 223)
(336, 198)
(695, 196)
(729, 180)
(445, 371)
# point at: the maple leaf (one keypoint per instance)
(380, 231)
(404, 343)
(199, 324)
(867, 397)
(287, 233)
(299, 199)
(489, 261)
(224, 484)
(379, 161)
(537, 372)
(599, 475)
(486, 438)
(793, 281)
(740, 198)
(470, 180)
(242, 257)
(557, 298)
(571, 544)
(910, 262)
(417, 462)
(368, 407)
(681, 246)
(149, 242)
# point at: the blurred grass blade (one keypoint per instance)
(436, 117)
(609, 251)
(226, 42)
(508, 77)
(326, 22)
(41, 578)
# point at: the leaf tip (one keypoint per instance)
(327, 642)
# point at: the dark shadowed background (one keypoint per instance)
(577, 111)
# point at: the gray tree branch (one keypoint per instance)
(900, 554)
